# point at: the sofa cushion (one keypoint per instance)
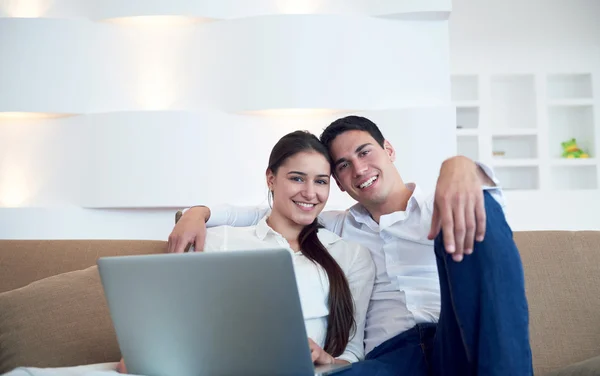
(57, 321)
(590, 367)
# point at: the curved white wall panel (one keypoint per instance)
(179, 102)
(322, 61)
(177, 159)
(41, 161)
(221, 9)
(172, 159)
(261, 63)
(45, 65)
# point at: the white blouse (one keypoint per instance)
(313, 284)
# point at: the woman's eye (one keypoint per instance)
(297, 178)
(324, 182)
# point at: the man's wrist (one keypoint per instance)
(200, 211)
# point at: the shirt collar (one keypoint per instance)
(416, 201)
(263, 229)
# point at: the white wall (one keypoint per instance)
(539, 37)
(139, 121)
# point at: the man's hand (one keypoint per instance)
(121, 367)
(319, 356)
(190, 229)
(459, 206)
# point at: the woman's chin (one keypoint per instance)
(305, 220)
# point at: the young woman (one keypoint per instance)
(335, 277)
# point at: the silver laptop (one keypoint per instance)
(215, 313)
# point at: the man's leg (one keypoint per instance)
(399, 356)
(484, 321)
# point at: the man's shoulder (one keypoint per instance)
(338, 246)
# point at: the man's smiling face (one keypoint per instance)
(361, 166)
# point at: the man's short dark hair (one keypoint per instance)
(351, 123)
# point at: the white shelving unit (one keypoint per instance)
(465, 94)
(513, 102)
(517, 122)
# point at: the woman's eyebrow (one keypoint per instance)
(305, 174)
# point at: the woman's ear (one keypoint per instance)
(270, 179)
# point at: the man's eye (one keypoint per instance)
(342, 166)
(365, 152)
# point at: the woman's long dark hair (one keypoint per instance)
(340, 323)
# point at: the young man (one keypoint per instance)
(449, 296)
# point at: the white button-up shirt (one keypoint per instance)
(313, 284)
(406, 290)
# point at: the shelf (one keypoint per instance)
(464, 88)
(569, 86)
(513, 101)
(574, 162)
(468, 146)
(515, 132)
(466, 104)
(499, 162)
(518, 177)
(531, 156)
(571, 102)
(515, 147)
(565, 123)
(467, 132)
(467, 118)
(578, 177)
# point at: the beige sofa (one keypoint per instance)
(53, 312)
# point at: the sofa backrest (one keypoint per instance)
(562, 276)
(26, 261)
(562, 273)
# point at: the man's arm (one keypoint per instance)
(333, 220)
(191, 227)
(458, 207)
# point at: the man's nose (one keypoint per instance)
(359, 168)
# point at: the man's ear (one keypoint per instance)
(389, 149)
(270, 179)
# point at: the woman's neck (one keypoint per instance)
(286, 228)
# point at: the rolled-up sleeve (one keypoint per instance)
(496, 191)
(236, 216)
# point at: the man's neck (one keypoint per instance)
(397, 200)
(286, 229)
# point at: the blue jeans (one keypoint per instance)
(483, 327)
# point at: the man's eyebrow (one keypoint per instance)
(358, 150)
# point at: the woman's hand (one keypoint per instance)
(121, 366)
(319, 356)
